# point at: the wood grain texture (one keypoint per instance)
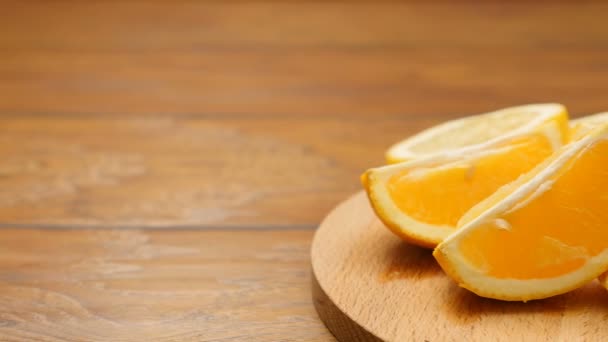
(338, 322)
(397, 292)
(300, 58)
(166, 172)
(133, 285)
(236, 119)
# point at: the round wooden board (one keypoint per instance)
(368, 285)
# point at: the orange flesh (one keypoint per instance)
(556, 232)
(441, 197)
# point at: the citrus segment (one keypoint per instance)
(578, 128)
(544, 235)
(475, 132)
(583, 125)
(423, 199)
(427, 195)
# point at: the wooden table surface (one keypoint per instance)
(163, 165)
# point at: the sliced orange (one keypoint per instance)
(578, 128)
(422, 200)
(584, 124)
(541, 235)
(473, 133)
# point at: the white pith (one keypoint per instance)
(540, 112)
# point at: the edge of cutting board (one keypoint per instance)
(368, 285)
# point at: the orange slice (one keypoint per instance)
(422, 200)
(541, 235)
(473, 133)
(578, 128)
(583, 125)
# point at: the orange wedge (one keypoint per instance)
(583, 125)
(578, 128)
(541, 235)
(422, 200)
(473, 133)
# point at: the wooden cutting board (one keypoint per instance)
(368, 285)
